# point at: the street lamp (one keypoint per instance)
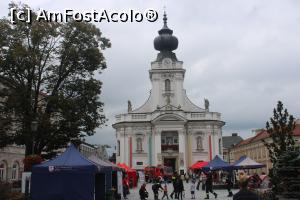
(34, 127)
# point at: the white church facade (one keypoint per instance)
(168, 129)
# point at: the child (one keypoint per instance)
(165, 192)
(193, 187)
(143, 192)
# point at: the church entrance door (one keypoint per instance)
(170, 162)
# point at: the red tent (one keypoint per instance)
(124, 166)
(131, 173)
(199, 165)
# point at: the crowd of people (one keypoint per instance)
(246, 183)
(178, 191)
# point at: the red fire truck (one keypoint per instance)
(158, 172)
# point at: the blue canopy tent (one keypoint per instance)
(246, 163)
(69, 176)
(217, 164)
(106, 169)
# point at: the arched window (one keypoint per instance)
(118, 148)
(15, 171)
(3, 170)
(139, 144)
(167, 85)
(199, 141)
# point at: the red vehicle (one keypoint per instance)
(159, 172)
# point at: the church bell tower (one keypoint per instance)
(167, 73)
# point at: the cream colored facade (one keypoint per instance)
(97, 150)
(255, 149)
(11, 163)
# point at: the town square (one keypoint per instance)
(111, 100)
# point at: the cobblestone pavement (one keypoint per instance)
(222, 194)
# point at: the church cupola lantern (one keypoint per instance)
(166, 42)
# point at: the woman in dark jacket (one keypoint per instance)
(229, 184)
(208, 185)
(143, 192)
(179, 188)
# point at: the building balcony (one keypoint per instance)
(171, 148)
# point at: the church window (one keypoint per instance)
(139, 144)
(169, 140)
(199, 141)
(167, 85)
(15, 171)
(2, 171)
(175, 140)
(118, 147)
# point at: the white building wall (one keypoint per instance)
(157, 147)
(182, 149)
(151, 143)
(188, 111)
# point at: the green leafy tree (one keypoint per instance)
(280, 131)
(47, 72)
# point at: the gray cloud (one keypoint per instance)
(241, 55)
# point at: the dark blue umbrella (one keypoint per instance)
(217, 164)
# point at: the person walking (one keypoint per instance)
(229, 184)
(125, 186)
(174, 181)
(245, 193)
(208, 185)
(155, 188)
(180, 189)
(165, 192)
(143, 192)
(193, 188)
(187, 177)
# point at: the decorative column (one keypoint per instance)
(209, 147)
(182, 148)
(190, 149)
(126, 148)
(130, 151)
(157, 147)
(150, 148)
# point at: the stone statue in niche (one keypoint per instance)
(206, 104)
(129, 106)
(199, 143)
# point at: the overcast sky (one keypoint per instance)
(243, 56)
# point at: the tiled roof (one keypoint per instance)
(246, 141)
(297, 130)
(228, 141)
(264, 134)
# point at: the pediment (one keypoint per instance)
(169, 118)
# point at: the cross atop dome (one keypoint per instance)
(165, 19)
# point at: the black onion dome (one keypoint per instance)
(165, 41)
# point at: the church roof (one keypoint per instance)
(263, 134)
(229, 141)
